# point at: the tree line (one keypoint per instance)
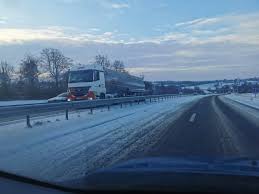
(43, 76)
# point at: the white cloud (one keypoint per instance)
(228, 28)
(111, 6)
(222, 29)
(108, 34)
(120, 5)
(198, 22)
(54, 34)
(94, 29)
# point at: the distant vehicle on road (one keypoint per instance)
(93, 81)
(63, 97)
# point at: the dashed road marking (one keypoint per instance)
(192, 118)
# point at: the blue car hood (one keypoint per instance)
(232, 165)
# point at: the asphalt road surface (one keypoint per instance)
(212, 127)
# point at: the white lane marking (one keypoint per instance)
(192, 118)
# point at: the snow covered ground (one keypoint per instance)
(56, 149)
(210, 86)
(20, 102)
(203, 86)
(247, 99)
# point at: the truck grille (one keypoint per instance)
(79, 91)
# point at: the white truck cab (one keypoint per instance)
(94, 81)
(86, 82)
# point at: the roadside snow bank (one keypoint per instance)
(247, 99)
(243, 107)
(21, 102)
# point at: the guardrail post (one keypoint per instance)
(150, 100)
(66, 114)
(130, 103)
(28, 121)
(138, 101)
(121, 105)
(108, 107)
(91, 111)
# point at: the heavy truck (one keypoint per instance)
(87, 82)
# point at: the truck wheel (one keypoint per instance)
(102, 96)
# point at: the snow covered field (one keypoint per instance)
(247, 99)
(20, 102)
(204, 86)
(209, 86)
(55, 149)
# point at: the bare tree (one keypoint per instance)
(55, 63)
(118, 66)
(102, 60)
(29, 75)
(6, 71)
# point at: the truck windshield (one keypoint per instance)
(81, 76)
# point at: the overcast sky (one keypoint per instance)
(162, 39)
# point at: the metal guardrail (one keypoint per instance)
(32, 110)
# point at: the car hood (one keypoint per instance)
(230, 165)
(137, 172)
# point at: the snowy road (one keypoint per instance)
(214, 127)
(57, 150)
